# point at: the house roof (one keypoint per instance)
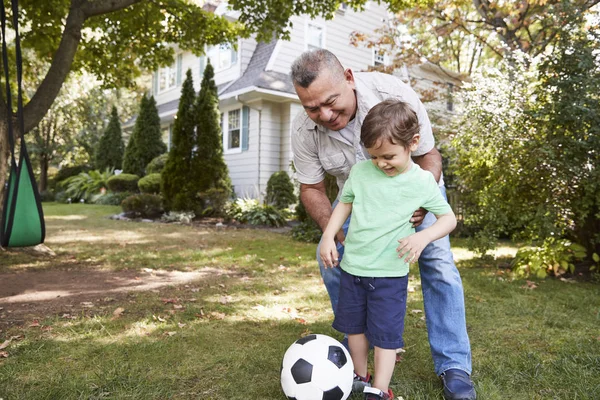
(255, 75)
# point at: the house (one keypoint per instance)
(257, 99)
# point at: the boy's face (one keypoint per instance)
(392, 159)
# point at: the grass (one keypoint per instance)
(223, 336)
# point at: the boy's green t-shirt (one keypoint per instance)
(381, 210)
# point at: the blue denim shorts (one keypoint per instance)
(373, 306)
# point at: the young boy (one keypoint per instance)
(382, 195)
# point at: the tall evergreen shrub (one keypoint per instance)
(145, 142)
(209, 166)
(177, 181)
(109, 153)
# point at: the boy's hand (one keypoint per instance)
(329, 253)
(410, 247)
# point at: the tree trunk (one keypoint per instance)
(4, 160)
(43, 182)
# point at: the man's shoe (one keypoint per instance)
(372, 393)
(458, 385)
(361, 382)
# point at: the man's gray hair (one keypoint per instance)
(310, 64)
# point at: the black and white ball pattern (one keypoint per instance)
(317, 367)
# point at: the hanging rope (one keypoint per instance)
(22, 221)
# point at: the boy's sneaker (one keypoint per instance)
(372, 393)
(361, 382)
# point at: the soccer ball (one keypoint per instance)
(317, 367)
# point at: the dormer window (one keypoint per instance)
(315, 36)
(222, 56)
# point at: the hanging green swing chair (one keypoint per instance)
(22, 222)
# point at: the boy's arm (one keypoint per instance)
(411, 246)
(329, 253)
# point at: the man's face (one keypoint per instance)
(328, 101)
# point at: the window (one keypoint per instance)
(233, 130)
(379, 58)
(315, 36)
(167, 78)
(222, 56)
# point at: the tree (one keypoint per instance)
(113, 40)
(110, 149)
(461, 34)
(528, 150)
(116, 40)
(209, 165)
(177, 179)
(145, 142)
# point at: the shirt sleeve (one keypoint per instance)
(435, 203)
(347, 195)
(306, 155)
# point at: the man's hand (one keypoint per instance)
(340, 237)
(418, 217)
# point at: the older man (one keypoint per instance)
(326, 138)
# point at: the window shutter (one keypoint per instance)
(233, 55)
(202, 66)
(245, 127)
(155, 83)
(178, 66)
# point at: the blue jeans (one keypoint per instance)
(442, 296)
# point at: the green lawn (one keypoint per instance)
(223, 335)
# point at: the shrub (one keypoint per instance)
(157, 164)
(150, 184)
(47, 195)
(553, 257)
(123, 183)
(86, 184)
(143, 205)
(213, 202)
(252, 212)
(280, 190)
(177, 216)
(307, 231)
(111, 198)
(109, 153)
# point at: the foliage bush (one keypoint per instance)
(143, 205)
(528, 148)
(553, 257)
(145, 142)
(123, 183)
(250, 211)
(280, 190)
(86, 184)
(177, 179)
(157, 164)
(307, 231)
(214, 201)
(183, 217)
(109, 153)
(111, 198)
(150, 184)
(47, 196)
(208, 165)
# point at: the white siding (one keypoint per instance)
(243, 167)
(337, 38)
(246, 49)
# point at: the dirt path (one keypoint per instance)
(30, 295)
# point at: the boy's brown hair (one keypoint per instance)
(391, 119)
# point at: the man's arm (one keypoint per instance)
(317, 205)
(432, 162)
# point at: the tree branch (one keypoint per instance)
(62, 60)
